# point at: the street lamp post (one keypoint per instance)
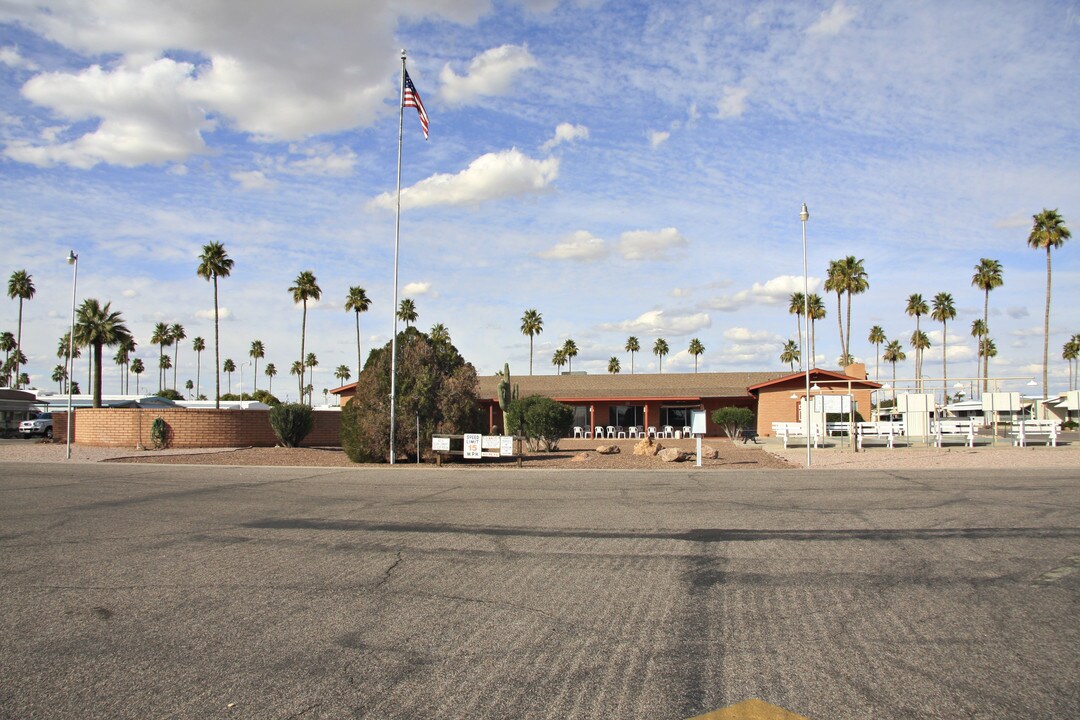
(73, 260)
(804, 215)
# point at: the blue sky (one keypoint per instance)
(624, 168)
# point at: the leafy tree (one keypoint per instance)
(696, 349)
(876, 337)
(988, 275)
(917, 307)
(660, 349)
(944, 311)
(229, 367)
(176, 333)
(439, 333)
(138, 368)
(169, 393)
(21, 286)
(558, 359)
(292, 423)
(304, 288)
(96, 326)
(790, 354)
(1047, 232)
(198, 345)
(796, 307)
(532, 324)
(632, 346)
(270, 371)
(613, 365)
(543, 422)
(357, 302)
(433, 382)
(407, 312)
(214, 263)
(265, 398)
(731, 419)
(570, 349)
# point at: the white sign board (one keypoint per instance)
(1001, 402)
(697, 422)
(490, 442)
(439, 444)
(472, 446)
(506, 445)
(832, 403)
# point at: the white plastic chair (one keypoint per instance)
(599, 432)
(652, 432)
(611, 431)
(633, 432)
(621, 432)
(578, 432)
(669, 432)
(686, 431)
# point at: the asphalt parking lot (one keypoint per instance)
(136, 591)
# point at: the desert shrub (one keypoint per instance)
(730, 419)
(291, 422)
(159, 433)
(541, 420)
(433, 381)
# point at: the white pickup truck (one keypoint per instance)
(41, 425)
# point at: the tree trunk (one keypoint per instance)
(530, 353)
(802, 350)
(18, 347)
(1046, 334)
(360, 366)
(175, 364)
(986, 334)
(303, 333)
(945, 358)
(840, 325)
(198, 373)
(217, 352)
(847, 344)
(97, 374)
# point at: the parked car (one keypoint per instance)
(40, 425)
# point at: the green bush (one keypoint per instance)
(159, 433)
(731, 419)
(170, 394)
(292, 422)
(1069, 425)
(541, 420)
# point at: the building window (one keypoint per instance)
(626, 415)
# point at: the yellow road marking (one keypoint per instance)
(750, 710)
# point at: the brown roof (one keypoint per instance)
(833, 379)
(636, 386)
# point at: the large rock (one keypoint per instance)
(647, 447)
(608, 450)
(580, 457)
(709, 453)
(672, 455)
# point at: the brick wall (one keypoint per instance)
(129, 427)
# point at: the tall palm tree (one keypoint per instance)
(305, 287)
(920, 342)
(177, 333)
(660, 349)
(855, 282)
(835, 282)
(696, 349)
(1047, 232)
(613, 365)
(789, 354)
(439, 333)
(270, 371)
(570, 349)
(256, 353)
(407, 312)
(1070, 351)
(121, 359)
(978, 331)
(987, 348)
(189, 386)
(342, 373)
(138, 368)
(558, 359)
(198, 345)
(876, 337)
(297, 369)
(65, 350)
(96, 326)
(817, 312)
(214, 263)
(944, 311)
(161, 338)
(21, 286)
(8, 343)
(532, 324)
(917, 307)
(229, 367)
(796, 307)
(987, 277)
(311, 362)
(356, 302)
(894, 353)
(632, 346)
(129, 346)
(59, 375)
(164, 363)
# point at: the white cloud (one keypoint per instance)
(833, 20)
(1018, 312)
(650, 244)
(656, 322)
(742, 335)
(681, 292)
(566, 132)
(490, 73)
(252, 180)
(733, 104)
(1019, 219)
(776, 291)
(489, 177)
(130, 293)
(580, 245)
(322, 161)
(223, 313)
(415, 289)
(10, 56)
(658, 137)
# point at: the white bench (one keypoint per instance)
(888, 431)
(953, 429)
(1035, 431)
(793, 431)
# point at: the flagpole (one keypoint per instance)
(397, 239)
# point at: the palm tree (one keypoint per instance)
(532, 324)
(59, 375)
(987, 277)
(65, 349)
(917, 306)
(978, 331)
(357, 302)
(257, 352)
(1070, 351)
(850, 278)
(439, 333)
(21, 286)
(270, 371)
(835, 282)
(558, 359)
(1048, 231)
(920, 341)
(944, 311)
(797, 306)
(164, 363)
(407, 312)
(121, 359)
(342, 373)
(613, 366)
(215, 263)
(790, 354)
(229, 367)
(96, 326)
(632, 346)
(160, 337)
(189, 386)
(817, 312)
(696, 349)
(987, 349)
(311, 362)
(129, 349)
(177, 333)
(876, 337)
(660, 349)
(198, 345)
(8, 343)
(570, 349)
(305, 287)
(297, 369)
(894, 353)
(137, 367)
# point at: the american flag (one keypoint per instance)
(412, 99)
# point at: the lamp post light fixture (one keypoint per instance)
(73, 260)
(804, 215)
